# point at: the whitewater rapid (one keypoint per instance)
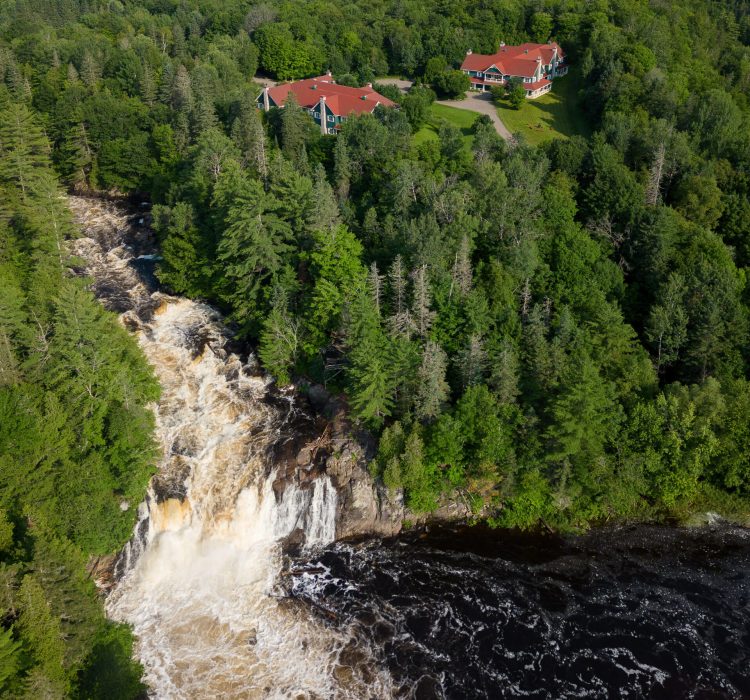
(198, 581)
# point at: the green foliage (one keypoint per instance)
(452, 84)
(336, 269)
(515, 93)
(562, 331)
(75, 436)
(282, 55)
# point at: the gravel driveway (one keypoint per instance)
(481, 103)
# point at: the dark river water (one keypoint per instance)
(636, 612)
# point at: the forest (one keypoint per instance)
(553, 334)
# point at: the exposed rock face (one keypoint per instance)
(330, 444)
(364, 506)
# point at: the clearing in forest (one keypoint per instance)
(558, 114)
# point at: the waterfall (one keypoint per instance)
(198, 580)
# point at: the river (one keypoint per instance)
(220, 610)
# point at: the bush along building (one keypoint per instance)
(329, 104)
(536, 65)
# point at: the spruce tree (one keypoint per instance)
(280, 339)
(421, 300)
(432, 389)
(324, 211)
(372, 382)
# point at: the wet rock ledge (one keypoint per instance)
(322, 440)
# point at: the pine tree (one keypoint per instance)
(462, 274)
(421, 300)
(182, 98)
(24, 150)
(14, 332)
(295, 126)
(294, 193)
(472, 362)
(10, 657)
(183, 259)
(280, 340)
(252, 247)
(42, 631)
(400, 321)
(505, 375)
(433, 389)
(371, 379)
(667, 323)
(250, 137)
(90, 71)
(76, 155)
(336, 269)
(375, 285)
(178, 41)
(147, 85)
(203, 116)
(584, 415)
(166, 84)
(72, 74)
(342, 169)
(324, 211)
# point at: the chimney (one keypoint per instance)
(526, 51)
(469, 52)
(369, 85)
(328, 73)
(266, 100)
(502, 44)
(323, 120)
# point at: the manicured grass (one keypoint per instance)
(461, 118)
(554, 115)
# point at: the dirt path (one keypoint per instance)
(481, 103)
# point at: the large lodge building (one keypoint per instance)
(536, 65)
(329, 104)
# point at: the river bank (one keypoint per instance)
(267, 563)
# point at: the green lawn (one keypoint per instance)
(461, 118)
(554, 115)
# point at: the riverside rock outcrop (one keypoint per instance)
(330, 444)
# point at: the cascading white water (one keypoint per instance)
(198, 578)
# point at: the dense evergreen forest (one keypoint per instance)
(75, 439)
(555, 334)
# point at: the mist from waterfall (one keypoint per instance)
(198, 580)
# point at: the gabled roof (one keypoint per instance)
(514, 60)
(341, 99)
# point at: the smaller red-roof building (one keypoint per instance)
(328, 103)
(535, 65)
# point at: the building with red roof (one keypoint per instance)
(536, 65)
(329, 104)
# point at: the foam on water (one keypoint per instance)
(198, 578)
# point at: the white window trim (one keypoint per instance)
(330, 118)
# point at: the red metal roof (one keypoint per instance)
(538, 84)
(514, 60)
(341, 99)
